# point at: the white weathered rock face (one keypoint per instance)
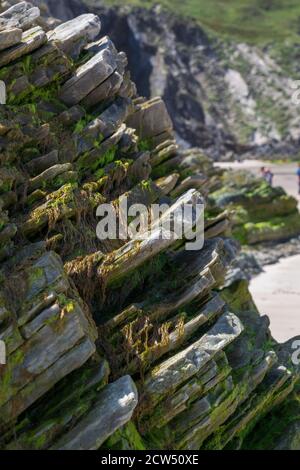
(237, 84)
(240, 92)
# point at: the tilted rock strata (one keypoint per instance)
(129, 343)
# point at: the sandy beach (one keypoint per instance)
(277, 290)
(277, 294)
(284, 174)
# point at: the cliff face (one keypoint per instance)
(225, 97)
(122, 343)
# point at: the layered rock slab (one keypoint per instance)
(113, 408)
(55, 335)
(159, 308)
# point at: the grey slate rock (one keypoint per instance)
(70, 361)
(45, 348)
(105, 125)
(110, 86)
(22, 15)
(89, 75)
(182, 366)
(48, 175)
(151, 119)
(290, 438)
(39, 164)
(37, 323)
(10, 37)
(113, 409)
(31, 40)
(74, 35)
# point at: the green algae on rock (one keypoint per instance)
(122, 344)
(261, 213)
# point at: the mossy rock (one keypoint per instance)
(259, 200)
(126, 438)
(238, 297)
(275, 229)
(277, 430)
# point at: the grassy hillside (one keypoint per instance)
(256, 21)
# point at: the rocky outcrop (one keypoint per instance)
(122, 343)
(261, 213)
(225, 97)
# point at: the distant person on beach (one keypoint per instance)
(298, 174)
(267, 175)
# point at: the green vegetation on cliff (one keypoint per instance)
(120, 342)
(253, 21)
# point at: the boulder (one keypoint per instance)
(74, 35)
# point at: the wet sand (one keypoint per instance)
(277, 290)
